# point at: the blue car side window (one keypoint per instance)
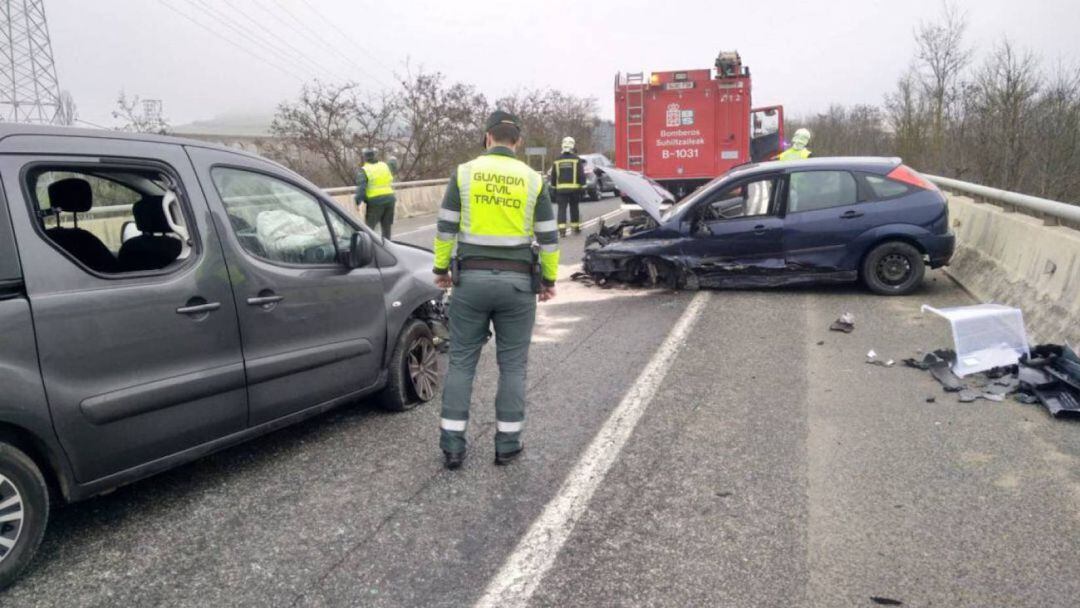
(813, 190)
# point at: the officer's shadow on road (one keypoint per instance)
(77, 532)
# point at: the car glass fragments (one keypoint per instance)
(873, 359)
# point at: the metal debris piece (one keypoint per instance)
(846, 323)
(944, 374)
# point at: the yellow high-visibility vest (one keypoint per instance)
(498, 198)
(567, 164)
(379, 179)
(793, 154)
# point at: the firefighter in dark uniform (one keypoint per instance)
(494, 209)
(568, 179)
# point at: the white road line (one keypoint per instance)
(417, 231)
(587, 224)
(535, 553)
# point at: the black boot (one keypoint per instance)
(505, 458)
(453, 460)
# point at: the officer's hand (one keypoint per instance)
(444, 281)
(547, 293)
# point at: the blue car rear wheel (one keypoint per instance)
(894, 268)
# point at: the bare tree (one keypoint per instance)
(940, 59)
(330, 124)
(442, 124)
(549, 115)
(133, 113)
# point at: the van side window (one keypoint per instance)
(112, 220)
(275, 220)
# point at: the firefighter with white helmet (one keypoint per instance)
(568, 179)
(798, 149)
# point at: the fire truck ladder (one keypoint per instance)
(635, 121)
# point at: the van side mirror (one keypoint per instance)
(361, 251)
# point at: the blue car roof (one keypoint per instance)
(869, 164)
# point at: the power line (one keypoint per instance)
(268, 44)
(314, 35)
(291, 27)
(243, 48)
(346, 36)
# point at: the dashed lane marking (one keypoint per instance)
(535, 553)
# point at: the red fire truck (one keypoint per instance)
(685, 127)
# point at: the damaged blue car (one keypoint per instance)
(823, 220)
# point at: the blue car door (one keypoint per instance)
(823, 217)
(736, 231)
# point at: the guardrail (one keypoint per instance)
(1053, 213)
(397, 186)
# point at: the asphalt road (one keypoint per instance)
(770, 466)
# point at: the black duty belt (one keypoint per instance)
(502, 265)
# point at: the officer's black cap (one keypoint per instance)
(499, 117)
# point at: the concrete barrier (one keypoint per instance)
(1019, 260)
(413, 198)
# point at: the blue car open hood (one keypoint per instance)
(639, 189)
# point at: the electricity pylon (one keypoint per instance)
(29, 91)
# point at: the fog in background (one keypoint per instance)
(804, 54)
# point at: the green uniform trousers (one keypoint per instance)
(482, 299)
(381, 215)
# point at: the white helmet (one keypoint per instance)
(568, 144)
(801, 139)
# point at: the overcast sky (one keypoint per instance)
(804, 54)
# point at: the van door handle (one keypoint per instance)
(760, 229)
(847, 215)
(197, 309)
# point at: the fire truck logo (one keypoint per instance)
(677, 117)
(674, 117)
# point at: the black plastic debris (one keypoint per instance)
(1050, 375)
(885, 601)
(846, 323)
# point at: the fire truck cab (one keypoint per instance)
(685, 127)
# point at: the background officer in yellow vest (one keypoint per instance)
(568, 178)
(798, 149)
(375, 186)
(494, 209)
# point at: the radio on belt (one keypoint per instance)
(685, 127)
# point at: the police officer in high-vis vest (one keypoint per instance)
(798, 149)
(568, 179)
(375, 186)
(494, 210)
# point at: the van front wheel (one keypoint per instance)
(415, 377)
(24, 512)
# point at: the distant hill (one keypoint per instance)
(228, 124)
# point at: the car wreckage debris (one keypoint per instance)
(872, 359)
(846, 323)
(1050, 375)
